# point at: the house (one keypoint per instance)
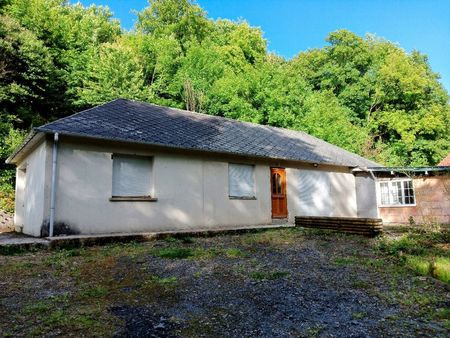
(408, 195)
(445, 162)
(128, 166)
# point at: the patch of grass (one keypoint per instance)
(423, 252)
(164, 280)
(342, 261)
(359, 315)
(272, 237)
(268, 275)
(373, 263)
(441, 269)
(360, 284)
(314, 331)
(37, 308)
(419, 264)
(12, 250)
(447, 324)
(196, 253)
(179, 239)
(56, 318)
(443, 313)
(174, 253)
(234, 253)
(94, 292)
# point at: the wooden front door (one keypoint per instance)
(278, 186)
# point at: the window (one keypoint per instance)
(396, 193)
(276, 184)
(132, 176)
(241, 180)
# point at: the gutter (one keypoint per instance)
(53, 185)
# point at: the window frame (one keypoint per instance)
(394, 183)
(123, 198)
(232, 197)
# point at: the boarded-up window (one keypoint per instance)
(241, 180)
(132, 175)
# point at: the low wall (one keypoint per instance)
(6, 221)
(432, 203)
(352, 225)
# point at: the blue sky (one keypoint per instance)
(291, 26)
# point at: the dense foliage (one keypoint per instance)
(364, 94)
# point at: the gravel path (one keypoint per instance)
(304, 287)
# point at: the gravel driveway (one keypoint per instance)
(276, 283)
(321, 285)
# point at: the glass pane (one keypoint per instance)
(274, 183)
(396, 193)
(409, 192)
(279, 183)
(384, 190)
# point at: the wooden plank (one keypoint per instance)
(363, 226)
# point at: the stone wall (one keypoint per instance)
(432, 203)
(6, 221)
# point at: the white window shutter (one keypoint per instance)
(131, 176)
(241, 180)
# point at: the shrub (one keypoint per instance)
(419, 264)
(441, 269)
(7, 190)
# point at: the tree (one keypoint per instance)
(182, 19)
(26, 75)
(112, 71)
(364, 94)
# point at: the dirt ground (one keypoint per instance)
(277, 283)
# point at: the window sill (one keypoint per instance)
(241, 198)
(132, 198)
(397, 206)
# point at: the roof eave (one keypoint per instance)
(31, 140)
(104, 138)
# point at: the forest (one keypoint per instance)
(363, 93)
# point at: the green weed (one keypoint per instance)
(268, 275)
(359, 315)
(174, 253)
(94, 292)
(37, 308)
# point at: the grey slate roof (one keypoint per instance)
(138, 122)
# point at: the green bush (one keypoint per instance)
(424, 252)
(7, 190)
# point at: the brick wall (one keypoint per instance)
(432, 203)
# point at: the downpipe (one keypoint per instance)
(53, 185)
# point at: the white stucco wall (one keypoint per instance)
(191, 192)
(320, 193)
(31, 191)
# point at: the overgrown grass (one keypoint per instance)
(426, 253)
